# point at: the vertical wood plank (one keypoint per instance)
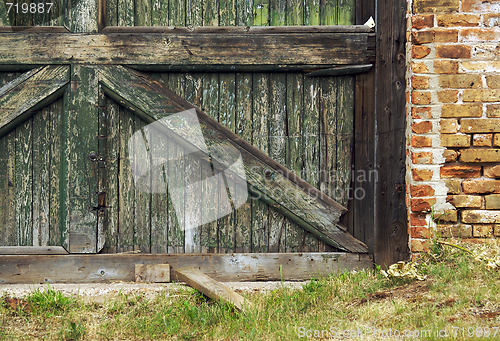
(143, 12)
(260, 13)
(192, 236)
(260, 139)
(210, 12)
(312, 12)
(126, 186)
(346, 12)
(328, 144)
(4, 17)
(111, 12)
(176, 223)
(311, 132)
(278, 12)
(111, 139)
(8, 235)
(391, 233)
(277, 151)
(227, 12)
(227, 117)
(41, 177)
(344, 137)
(83, 128)
(177, 12)
(125, 12)
(24, 183)
(159, 13)
(295, 12)
(102, 171)
(142, 215)
(209, 195)
(244, 109)
(245, 13)
(194, 12)
(57, 231)
(329, 12)
(294, 97)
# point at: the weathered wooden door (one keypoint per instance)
(265, 92)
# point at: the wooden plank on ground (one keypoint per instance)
(221, 267)
(31, 91)
(154, 273)
(303, 203)
(210, 287)
(32, 250)
(166, 49)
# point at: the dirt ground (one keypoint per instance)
(101, 292)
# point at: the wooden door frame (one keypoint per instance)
(380, 219)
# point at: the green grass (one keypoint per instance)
(459, 292)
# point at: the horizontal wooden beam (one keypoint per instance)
(241, 267)
(293, 197)
(30, 92)
(32, 250)
(341, 70)
(240, 29)
(166, 49)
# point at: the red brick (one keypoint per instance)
(458, 20)
(422, 174)
(479, 34)
(417, 219)
(419, 97)
(480, 155)
(421, 158)
(469, 201)
(430, 6)
(420, 232)
(422, 21)
(454, 186)
(421, 112)
(452, 51)
(480, 125)
(422, 205)
(422, 37)
(446, 216)
(450, 155)
(493, 81)
(493, 110)
(480, 217)
(445, 36)
(492, 201)
(491, 20)
(460, 81)
(419, 52)
(419, 68)
(445, 66)
(455, 140)
(480, 6)
(421, 127)
(421, 191)
(449, 125)
(462, 110)
(482, 231)
(448, 96)
(482, 140)
(481, 186)
(419, 245)
(455, 231)
(420, 82)
(491, 171)
(421, 141)
(460, 171)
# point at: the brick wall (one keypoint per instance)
(453, 83)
